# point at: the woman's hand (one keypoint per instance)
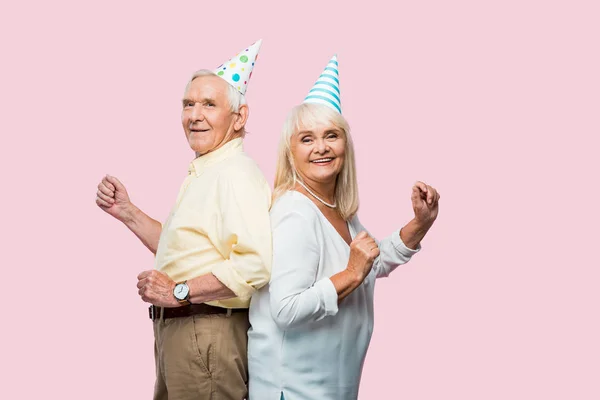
(363, 251)
(425, 203)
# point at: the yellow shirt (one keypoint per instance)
(220, 225)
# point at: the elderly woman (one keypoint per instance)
(311, 325)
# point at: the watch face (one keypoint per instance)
(181, 291)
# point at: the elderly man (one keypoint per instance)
(213, 252)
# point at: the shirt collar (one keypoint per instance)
(199, 164)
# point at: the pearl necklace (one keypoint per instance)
(334, 205)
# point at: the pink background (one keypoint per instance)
(496, 104)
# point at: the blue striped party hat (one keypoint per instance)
(327, 89)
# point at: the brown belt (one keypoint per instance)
(189, 310)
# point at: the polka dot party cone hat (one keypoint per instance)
(327, 89)
(238, 70)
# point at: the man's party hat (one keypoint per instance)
(238, 70)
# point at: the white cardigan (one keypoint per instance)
(300, 343)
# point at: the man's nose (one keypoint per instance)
(197, 114)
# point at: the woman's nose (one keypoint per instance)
(321, 146)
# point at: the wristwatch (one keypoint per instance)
(182, 293)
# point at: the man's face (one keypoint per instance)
(206, 117)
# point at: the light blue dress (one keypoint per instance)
(301, 345)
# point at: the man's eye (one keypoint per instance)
(189, 104)
(210, 105)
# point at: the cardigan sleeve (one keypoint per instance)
(296, 296)
(392, 253)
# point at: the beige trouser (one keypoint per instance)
(202, 357)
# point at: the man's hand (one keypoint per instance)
(425, 203)
(156, 288)
(112, 197)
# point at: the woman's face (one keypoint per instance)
(319, 153)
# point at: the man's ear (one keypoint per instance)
(241, 118)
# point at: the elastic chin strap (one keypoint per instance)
(297, 177)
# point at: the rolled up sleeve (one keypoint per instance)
(243, 234)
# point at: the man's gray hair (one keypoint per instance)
(235, 98)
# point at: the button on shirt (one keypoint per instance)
(220, 225)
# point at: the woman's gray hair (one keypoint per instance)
(306, 116)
